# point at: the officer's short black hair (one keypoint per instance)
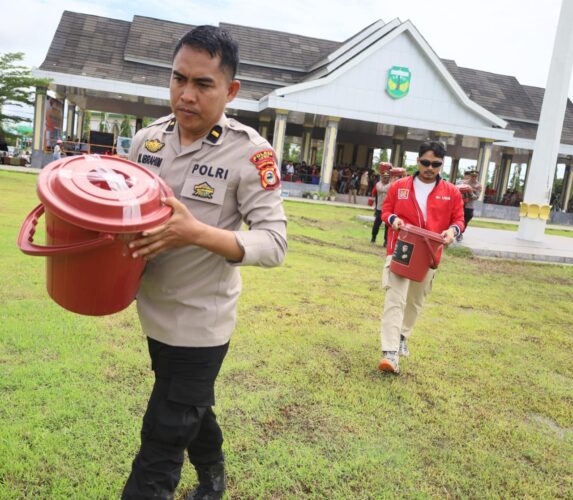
(216, 42)
(438, 148)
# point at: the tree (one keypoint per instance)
(17, 86)
(125, 127)
(87, 125)
(103, 127)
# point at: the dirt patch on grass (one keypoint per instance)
(543, 422)
(314, 241)
(309, 222)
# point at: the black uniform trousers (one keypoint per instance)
(468, 216)
(376, 227)
(178, 418)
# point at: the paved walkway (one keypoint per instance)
(506, 245)
(484, 242)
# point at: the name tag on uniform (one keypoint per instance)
(204, 189)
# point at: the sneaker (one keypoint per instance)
(403, 350)
(389, 363)
(373, 242)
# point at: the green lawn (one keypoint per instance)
(483, 407)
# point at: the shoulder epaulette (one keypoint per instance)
(164, 119)
(215, 134)
(253, 135)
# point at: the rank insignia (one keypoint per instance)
(403, 194)
(154, 145)
(171, 125)
(203, 190)
(215, 134)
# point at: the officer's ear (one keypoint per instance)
(233, 89)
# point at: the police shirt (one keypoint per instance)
(188, 296)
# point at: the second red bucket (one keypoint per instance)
(93, 206)
(417, 251)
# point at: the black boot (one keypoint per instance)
(211, 482)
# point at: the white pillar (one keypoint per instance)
(328, 153)
(80, 124)
(454, 169)
(279, 134)
(544, 159)
(397, 152)
(70, 121)
(39, 137)
(567, 185)
(484, 156)
(503, 176)
(527, 170)
(306, 143)
(264, 122)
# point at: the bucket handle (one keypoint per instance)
(27, 245)
(433, 257)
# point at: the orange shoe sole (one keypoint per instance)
(386, 366)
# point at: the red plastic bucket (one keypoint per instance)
(416, 252)
(466, 192)
(93, 206)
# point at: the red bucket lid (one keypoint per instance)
(418, 231)
(104, 193)
(397, 172)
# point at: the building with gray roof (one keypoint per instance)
(334, 99)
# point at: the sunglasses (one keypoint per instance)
(434, 164)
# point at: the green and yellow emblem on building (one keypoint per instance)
(398, 82)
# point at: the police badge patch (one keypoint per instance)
(269, 178)
(265, 162)
(153, 145)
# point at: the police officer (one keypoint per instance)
(222, 174)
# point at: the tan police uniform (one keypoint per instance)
(188, 296)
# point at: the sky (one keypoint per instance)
(511, 37)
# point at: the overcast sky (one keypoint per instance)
(512, 37)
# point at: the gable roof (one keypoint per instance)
(379, 39)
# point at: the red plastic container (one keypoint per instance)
(93, 206)
(416, 252)
(466, 192)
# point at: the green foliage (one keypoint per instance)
(483, 407)
(17, 85)
(17, 88)
(125, 127)
(291, 152)
(103, 125)
(87, 124)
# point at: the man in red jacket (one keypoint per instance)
(427, 201)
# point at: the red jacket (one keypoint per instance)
(445, 208)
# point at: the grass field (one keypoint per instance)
(483, 407)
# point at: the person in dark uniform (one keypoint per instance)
(222, 174)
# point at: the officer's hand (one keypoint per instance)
(180, 230)
(449, 236)
(397, 223)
